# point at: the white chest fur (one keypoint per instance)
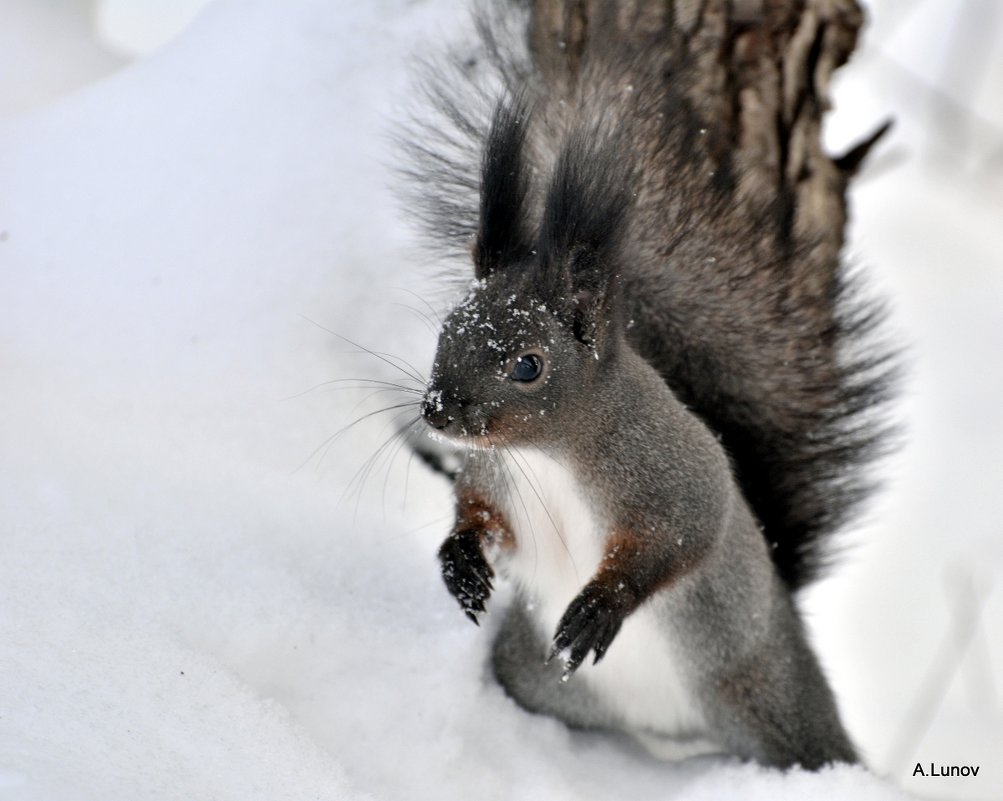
(560, 539)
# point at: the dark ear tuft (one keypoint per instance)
(583, 226)
(502, 236)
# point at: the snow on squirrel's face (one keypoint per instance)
(505, 365)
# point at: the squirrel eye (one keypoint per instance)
(527, 368)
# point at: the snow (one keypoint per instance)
(199, 600)
(32, 35)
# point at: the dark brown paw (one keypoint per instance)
(466, 572)
(590, 624)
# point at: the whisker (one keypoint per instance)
(393, 420)
(392, 454)
(408, 432)
(420, 299)
(537, 491)
(330, 440)
(441, 520)
(361, 475)
(358, 481)
(412, 373)
(513, 489)
(415, 373)
(403, 435)
(373, 394)
(360, 385)
(420, 315)
(407, 477)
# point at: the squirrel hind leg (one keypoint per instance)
(780, 712)
(519, 661)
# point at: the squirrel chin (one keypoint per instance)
(473, 442)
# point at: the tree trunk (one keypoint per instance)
(759, 71)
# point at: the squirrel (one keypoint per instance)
(657, 439)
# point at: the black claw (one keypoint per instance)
(604, 639)
(576, 659)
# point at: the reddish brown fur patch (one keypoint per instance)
(474, 512)
(622, 547)
(642, 565)
(617, 570)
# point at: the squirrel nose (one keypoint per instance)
(434, 410)
(437, 418)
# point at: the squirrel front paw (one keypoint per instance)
(466, 571)
(590, 623)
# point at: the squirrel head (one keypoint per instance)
(519, 357)
(512, 367)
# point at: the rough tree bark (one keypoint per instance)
(760, 74)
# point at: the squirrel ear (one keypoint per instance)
(583, 224)
(501, 235)
(592, 309)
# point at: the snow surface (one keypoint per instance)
(199, 601)
(47, 50)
